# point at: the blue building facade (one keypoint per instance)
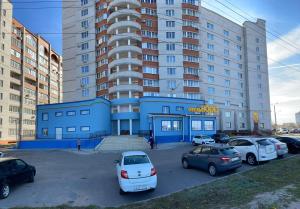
(170, 119)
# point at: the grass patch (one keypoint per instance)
(234, 191)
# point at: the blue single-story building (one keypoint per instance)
(170, 119)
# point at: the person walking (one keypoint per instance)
(151, 140)
(78, 145)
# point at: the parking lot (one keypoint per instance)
(65, 177)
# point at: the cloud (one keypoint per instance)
(279, 49)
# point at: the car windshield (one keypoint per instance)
(136, 159)
(228, 151)
(206, 137)
(263, 142)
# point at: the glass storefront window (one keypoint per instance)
(209, 125)
(166, 125)
(196, 125)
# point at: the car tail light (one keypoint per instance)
(278, 146)
(153, 172)
(226, 159)
(124, 174)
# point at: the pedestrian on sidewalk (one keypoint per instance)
(151, 140)
(78, 145)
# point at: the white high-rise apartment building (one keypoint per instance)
(30, 74)
(125, 49)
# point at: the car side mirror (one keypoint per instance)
(117, 161)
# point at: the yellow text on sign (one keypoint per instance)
(204, 109)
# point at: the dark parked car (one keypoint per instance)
(14, 171)
(293, 143)
(215, 158)
(221, 138)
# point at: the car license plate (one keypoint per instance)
(139, 188)
(235, 159)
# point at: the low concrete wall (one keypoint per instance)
(59, 144)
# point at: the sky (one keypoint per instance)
(283, 36)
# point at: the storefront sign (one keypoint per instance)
(204, 109)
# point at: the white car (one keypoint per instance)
(254, 150)
(135, 172)
(201, 139)
(281, 148)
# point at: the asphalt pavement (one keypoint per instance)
(87, 178)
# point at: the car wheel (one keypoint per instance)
(203, 142)
(251, 159)
(185, 164)
(4, 190)
(122, 192)
(212, 170)
(31, 178)
(152, 190)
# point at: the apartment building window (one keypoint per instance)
(170, 46)
(172, 84)
(210, 101)
(227, 83)
(190, 46)
(226, 62)
(85, 24)
(84, 12)
(170, 12)
(188, 34)
(84, 46)
(190, 12)
(148, 23)
(150, 70)
(84, 2)
(170, 59)
(84, 57)
(31, 41)
(240, 75)
(240, 66)
(258, 67)
(226, 42)
(227, 92)
(170, 35)
(192, 96)
(210, 57)
(227, 103)
(14, 97)
(149, 34)
(227, 114)
(210, 36)
(2, 71)
(239, 47)
(1, 83)
(85, 34)
(211, 79)
(15, 53)
(151, 83)
(191, 83)
(170, 24)
(170, 2)
(191, 71)
(228, 124)
(211, 90)
(85, 69)
(238, 38)
(15, 109)
(257, 40)
(148, 11)
(226, 52)
(1, 96)
(150, 58)
(171, 71)
(210, 46)
(192, 2)
(190, 58)
(211, 68)
(84, 81)
(151, 94)
(258, 58)
(85, 92)
(210, 26)
(226, 33)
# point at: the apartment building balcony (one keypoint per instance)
(125, 87)
(126, 74)
(123, 61)
(123, 24)
(132, 3)
(127, 48)
(122, 36)
(123, 13)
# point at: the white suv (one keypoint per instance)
(201, 139)
(254, 149)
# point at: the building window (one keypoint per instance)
(84, 128)
(226, 33)
(179, 108)
(71, 129)
(166, 109)
(262, 125)
(171, 71)
(84, 69)
(208, 125)
(84, 12)
(71, 113)
(196, 125)
(84, 112)
(211, 90)
(170, 47)
(211, 68)
(45, 131)
(166, 125)
(227, 114)
(170, 24)
(170, 2)
(172, 84)
(242, 125)
(210, 26)
(177, 125)
(170, 35)
(45, 116)
(228, 125)
(58, 114)
(170, 12)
